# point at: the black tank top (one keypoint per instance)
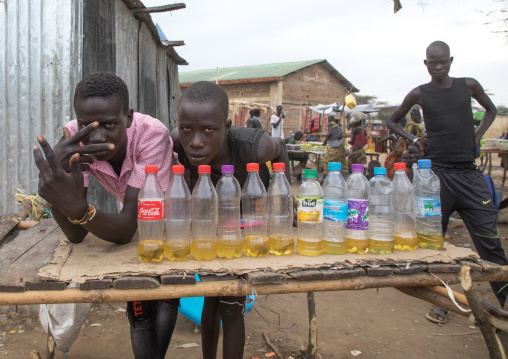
(449, 123)
(243, 143)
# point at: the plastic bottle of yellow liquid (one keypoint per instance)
(204, 217)
(280, 213)
(403, 206)
(357, 223)
(428, 206)
(151, 218)
(381, 233)
(255, 217)
(178, 217)
(310, 216)
(229, 193)
(334, 210)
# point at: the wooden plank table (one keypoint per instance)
(21, 259)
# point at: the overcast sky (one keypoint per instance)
(379, 52)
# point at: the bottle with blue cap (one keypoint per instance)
(428, 207)
(334, 210)
(381, 227)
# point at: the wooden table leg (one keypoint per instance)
(504, 159)
(490, 162)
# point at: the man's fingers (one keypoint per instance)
(81, 134)
(100, 147)
(66, 133)
(75, 168)
(86, 159)
(48, 152)
(40, 162)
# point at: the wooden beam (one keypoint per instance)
(162, 8)
(239, 287)
(173, 43)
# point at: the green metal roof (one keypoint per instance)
(245, 72)
(256, 72)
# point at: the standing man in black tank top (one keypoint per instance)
(451, 144)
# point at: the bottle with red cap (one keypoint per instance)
(204, 217)
(403, 205)
(151, 218)
(178, 217)
(254, 214)
(229, 194)
(280, 213)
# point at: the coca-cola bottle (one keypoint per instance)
(151, 218)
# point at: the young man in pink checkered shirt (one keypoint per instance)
(114, 144)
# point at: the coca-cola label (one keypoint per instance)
(151, 210)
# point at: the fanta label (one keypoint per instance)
(150, 210)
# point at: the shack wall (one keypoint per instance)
(40, 64)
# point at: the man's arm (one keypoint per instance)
(275, 124)
(484, 100)
(273, 149)
(411, 99)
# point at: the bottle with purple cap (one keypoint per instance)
(357, 222)
(229, 194)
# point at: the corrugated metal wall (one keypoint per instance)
(40, 62)
(43, 57)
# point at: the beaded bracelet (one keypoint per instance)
(90, 214)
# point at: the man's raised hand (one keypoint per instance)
(64, 191)
(69, 145)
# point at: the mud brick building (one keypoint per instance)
(294, 85)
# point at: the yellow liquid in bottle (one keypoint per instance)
(177, 250)
(255, 246)
(227, 248)
(150, 251)
(360, 246)
(381, 247)
(281, 244)
(430, 242)
(406, 243)
(204, 249)
(309, 246)
(331, 247)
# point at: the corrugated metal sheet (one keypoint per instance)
(40, 54)
(246, 72)
(41, 62)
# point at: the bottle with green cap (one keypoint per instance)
(310, 216)
(334, 210)
(381, 230)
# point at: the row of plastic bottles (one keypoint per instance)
(214, 216)
(376, 216)
(357, 216)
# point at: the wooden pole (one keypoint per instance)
(480, 316)
(312, 347)
(238, 287)
(427, 295)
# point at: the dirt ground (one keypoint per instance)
(380, 323)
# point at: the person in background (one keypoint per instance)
(358, 140)
(248, 121)
(416, 126)
(256, 123)
(397, 149)
(451, 146)
(335, 152)
(277, 122)
(111, 142)
(204, 136)
(370, 168)
(410, 157)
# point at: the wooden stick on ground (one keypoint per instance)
(273, 347)
(482, 321)
(311, 351)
